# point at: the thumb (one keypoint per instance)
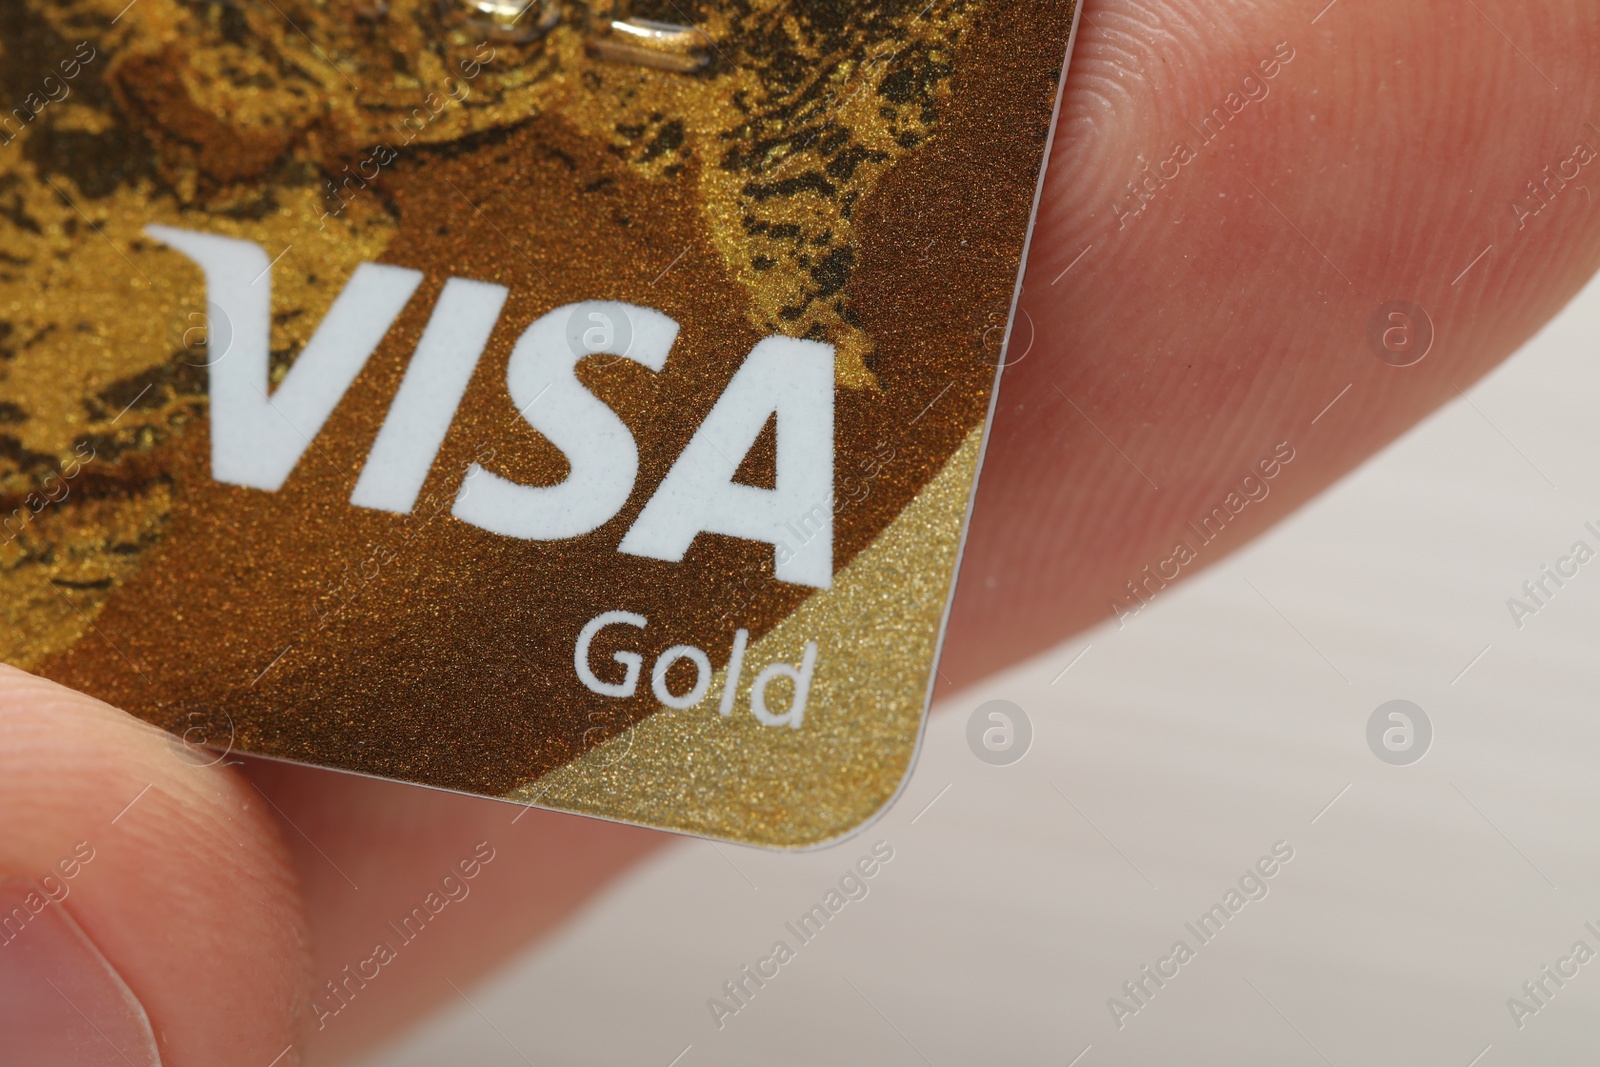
(149, 912)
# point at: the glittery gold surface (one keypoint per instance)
(877, 629)
(861, 174)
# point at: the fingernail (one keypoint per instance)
(61, 1002)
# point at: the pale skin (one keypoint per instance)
(1195, 336)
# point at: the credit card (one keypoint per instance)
(575, 405)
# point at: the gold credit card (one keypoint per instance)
(576, 405)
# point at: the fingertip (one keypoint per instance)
(168, 862)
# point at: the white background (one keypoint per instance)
(1165, 761)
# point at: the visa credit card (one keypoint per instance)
(575, 406)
